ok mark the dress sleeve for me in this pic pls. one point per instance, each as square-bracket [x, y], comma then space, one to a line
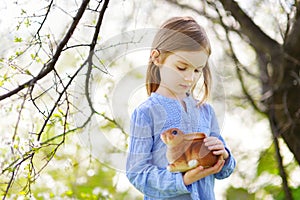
[230, 162]
[151, 180]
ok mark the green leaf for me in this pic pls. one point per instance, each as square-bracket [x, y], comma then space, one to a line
[5, 77]
[18, 39]
[13, 67]
[272, 189]
[28, 72]
[295, 194]
[239, 193]
[27, 22]
[69, 193]
[18, 53]
[22, 193]
[23, 11]
[32, 56]
[267, 162]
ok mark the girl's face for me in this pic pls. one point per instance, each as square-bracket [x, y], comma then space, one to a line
[180, 71]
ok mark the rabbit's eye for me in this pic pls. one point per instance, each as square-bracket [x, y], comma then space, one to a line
[174, 132]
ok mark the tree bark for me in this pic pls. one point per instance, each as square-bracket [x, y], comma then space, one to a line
[283, 82]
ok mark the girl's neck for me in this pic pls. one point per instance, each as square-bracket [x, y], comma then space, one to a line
[166, 92]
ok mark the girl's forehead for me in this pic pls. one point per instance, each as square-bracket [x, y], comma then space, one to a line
[192, 58]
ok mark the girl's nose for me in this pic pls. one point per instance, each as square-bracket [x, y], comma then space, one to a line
[190, 76]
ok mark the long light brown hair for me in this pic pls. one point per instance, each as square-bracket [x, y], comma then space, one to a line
[179, 34]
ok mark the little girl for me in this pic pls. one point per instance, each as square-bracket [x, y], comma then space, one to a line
[179, 57]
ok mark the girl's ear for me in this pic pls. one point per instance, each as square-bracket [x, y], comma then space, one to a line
[155, 57]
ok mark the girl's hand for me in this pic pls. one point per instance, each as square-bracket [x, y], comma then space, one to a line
[216, 146]
[199, 172]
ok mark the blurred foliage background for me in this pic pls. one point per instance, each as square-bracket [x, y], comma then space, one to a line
[65, 109]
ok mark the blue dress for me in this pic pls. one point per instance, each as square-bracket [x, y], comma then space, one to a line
[147, 162]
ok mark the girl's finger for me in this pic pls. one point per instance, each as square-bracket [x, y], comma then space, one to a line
[212, 141]
[216, 147]
[219, 152]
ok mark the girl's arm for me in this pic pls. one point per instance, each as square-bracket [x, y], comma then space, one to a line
[151, 180]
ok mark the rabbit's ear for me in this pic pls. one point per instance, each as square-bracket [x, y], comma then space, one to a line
[194, 136]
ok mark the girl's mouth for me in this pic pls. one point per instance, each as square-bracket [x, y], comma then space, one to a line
[185, 86]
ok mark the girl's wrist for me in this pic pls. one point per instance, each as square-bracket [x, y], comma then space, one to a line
[184, 179]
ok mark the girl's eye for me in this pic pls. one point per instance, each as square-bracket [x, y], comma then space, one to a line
[181, 68]
[197, 71]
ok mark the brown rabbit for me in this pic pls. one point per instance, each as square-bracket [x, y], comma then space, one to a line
[186, 151]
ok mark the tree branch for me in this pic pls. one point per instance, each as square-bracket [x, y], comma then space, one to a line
[238, 68]
[91, 54]
[259, 40]
[49, 66]
[292, 42]
[45, 18]
[187, 6]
